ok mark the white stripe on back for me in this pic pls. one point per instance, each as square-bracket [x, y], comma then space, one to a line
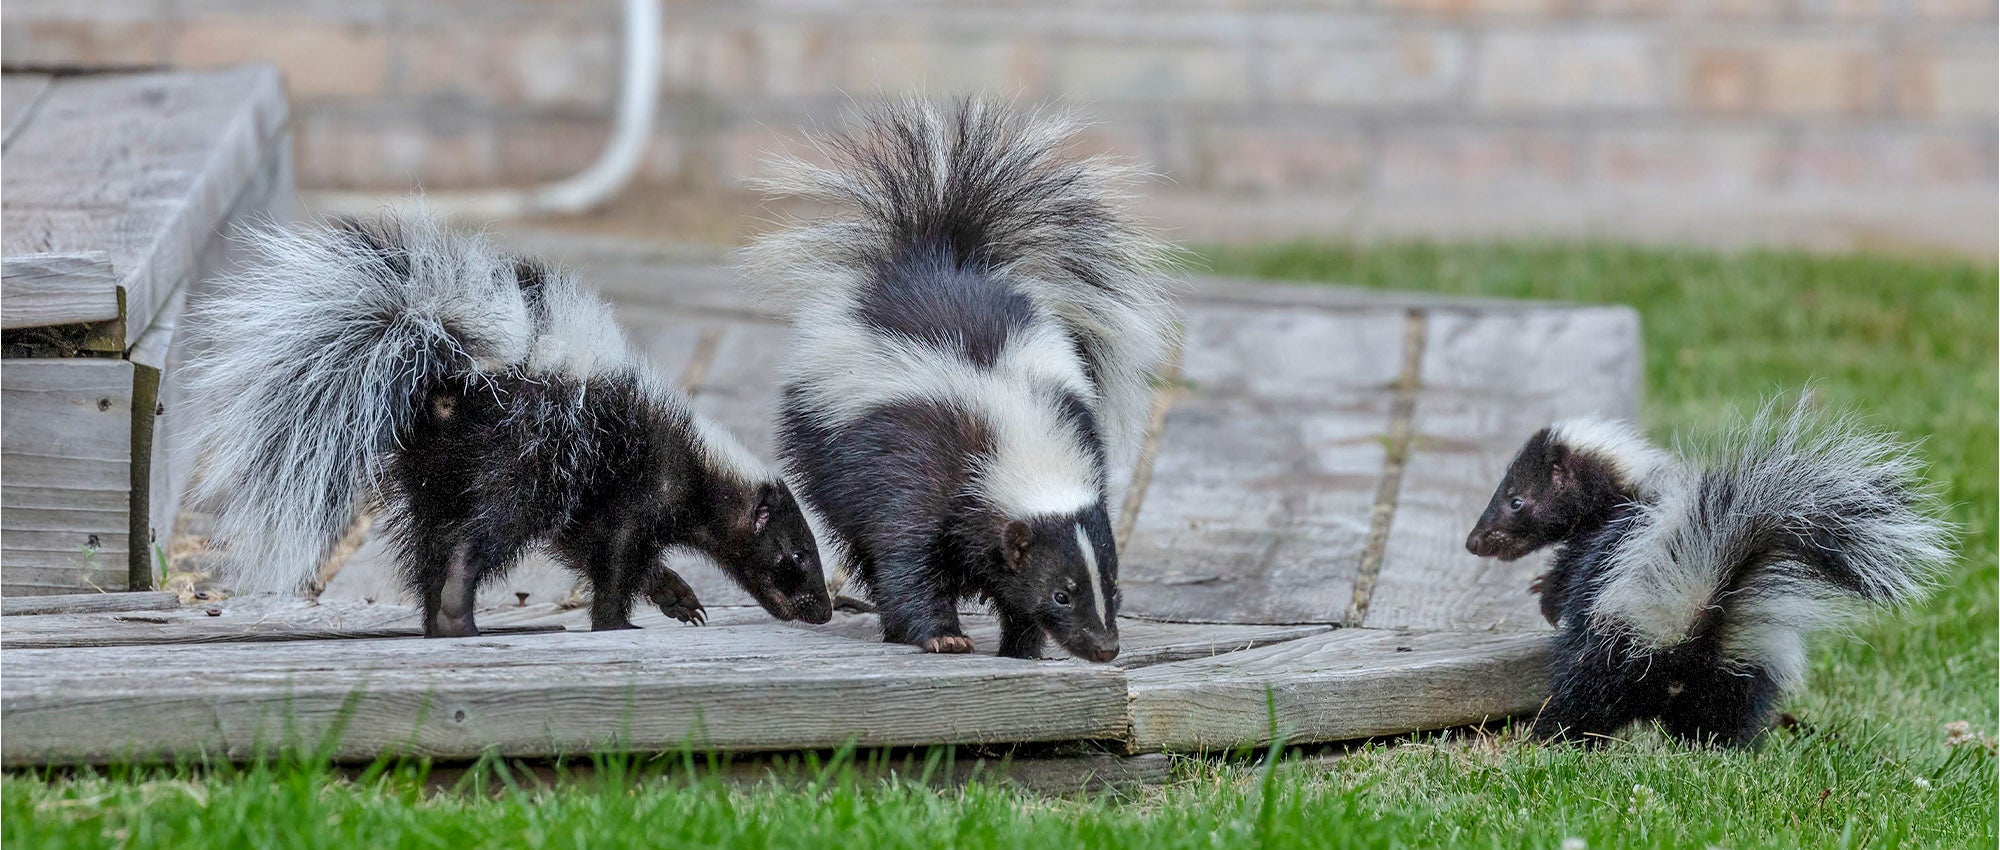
[1090, 565]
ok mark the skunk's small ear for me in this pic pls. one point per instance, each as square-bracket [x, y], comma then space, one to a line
[1014, 543]
[1559, 466]
[767, 500]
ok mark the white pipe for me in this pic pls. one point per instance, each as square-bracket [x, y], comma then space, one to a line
[638, 97]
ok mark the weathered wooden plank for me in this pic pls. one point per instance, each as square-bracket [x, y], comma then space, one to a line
[1141, 642]
[142, 166]
[85, 603]
[144, 630]
[19, 93]
[258, 617]
[639, 276]
[668, 340]
[740, 388]
[66, 447]
[1490, 380]
[1341, 685]
[1266, 471]
[40, 290]
[729, 688]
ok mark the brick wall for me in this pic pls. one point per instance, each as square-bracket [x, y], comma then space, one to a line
[1833, 122]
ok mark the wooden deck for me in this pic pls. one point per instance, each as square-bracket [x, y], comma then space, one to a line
[1292, 543]
[120, 192]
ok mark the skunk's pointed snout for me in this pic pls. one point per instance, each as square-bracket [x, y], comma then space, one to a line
[1480, 543]
[813, 608]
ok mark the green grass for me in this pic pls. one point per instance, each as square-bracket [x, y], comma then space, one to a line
[1912, 344]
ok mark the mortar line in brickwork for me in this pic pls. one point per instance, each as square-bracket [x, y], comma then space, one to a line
[1164, 394]
[1401, 412]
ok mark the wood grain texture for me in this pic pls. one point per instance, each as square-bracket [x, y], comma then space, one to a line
[1341, 685]
[66, 447]
[727, 688]
[1258, 507]
[87, 603]
[142, 166]
[39, 290]
[1491, 379]
[19, 94]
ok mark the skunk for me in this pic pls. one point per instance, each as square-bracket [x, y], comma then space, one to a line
[975, 327]
[1684, 590]
[493, 405]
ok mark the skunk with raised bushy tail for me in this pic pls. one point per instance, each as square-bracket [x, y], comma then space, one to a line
[1685, 587]
[975, 329]
[493, 404]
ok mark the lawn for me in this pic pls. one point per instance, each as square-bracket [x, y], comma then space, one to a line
[1910, 343]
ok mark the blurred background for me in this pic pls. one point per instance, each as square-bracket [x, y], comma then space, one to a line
[1823, 123]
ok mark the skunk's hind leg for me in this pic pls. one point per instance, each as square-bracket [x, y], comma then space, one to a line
[1720, 704]
[448, 584]
[1595, 689]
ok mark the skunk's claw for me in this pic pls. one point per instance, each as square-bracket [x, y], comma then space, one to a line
[676, 599]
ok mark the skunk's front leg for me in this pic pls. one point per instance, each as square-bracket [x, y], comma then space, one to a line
[913, 603]
[619, 558]
[676, 599]
[1020, 635]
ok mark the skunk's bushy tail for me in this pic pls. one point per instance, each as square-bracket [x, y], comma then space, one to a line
[990, 188]
[309, 361]
[1792, 523]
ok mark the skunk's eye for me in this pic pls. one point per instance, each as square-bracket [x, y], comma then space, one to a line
[1515, 504]
[1062, 598]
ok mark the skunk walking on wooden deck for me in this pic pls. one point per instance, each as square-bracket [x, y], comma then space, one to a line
[975, 331]
[1684, 590]
[494, 405]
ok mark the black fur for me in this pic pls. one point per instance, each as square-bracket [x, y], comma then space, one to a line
[1789, 523]
[929, 298]
[483, 483]
[1597, 684]
[897, 483]
[959, 232]
[486, 462]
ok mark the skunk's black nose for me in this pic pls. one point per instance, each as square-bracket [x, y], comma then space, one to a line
[1104, 654]
[816, 609]
[1485, 544]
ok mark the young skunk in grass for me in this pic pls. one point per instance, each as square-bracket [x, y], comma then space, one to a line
[975, 331]
[1684, 590]
[493, 404]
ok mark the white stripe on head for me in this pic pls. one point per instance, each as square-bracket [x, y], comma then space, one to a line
[1090, 566]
